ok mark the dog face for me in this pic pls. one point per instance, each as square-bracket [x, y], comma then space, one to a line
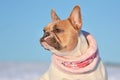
[62, 35]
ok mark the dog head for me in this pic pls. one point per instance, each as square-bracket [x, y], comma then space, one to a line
[61, 36]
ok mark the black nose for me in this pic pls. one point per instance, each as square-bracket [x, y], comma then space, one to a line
[46, 34]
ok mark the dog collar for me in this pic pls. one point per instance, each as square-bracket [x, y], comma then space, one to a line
[84, 63]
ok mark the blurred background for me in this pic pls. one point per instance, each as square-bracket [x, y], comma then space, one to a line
[22, 22]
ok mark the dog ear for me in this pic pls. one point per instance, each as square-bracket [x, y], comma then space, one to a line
[75, 18]
[54, 15]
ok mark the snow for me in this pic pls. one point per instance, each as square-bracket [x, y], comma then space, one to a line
[33, 71]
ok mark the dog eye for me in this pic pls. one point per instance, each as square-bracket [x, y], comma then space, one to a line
[57, 30]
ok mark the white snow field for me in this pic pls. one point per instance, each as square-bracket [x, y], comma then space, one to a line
[33, 71]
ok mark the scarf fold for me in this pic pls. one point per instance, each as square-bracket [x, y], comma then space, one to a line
[85, 63]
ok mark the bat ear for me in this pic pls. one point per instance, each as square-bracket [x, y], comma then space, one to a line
[54, 15]
[76, 18]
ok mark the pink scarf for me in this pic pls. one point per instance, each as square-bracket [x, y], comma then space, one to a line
[84, 63]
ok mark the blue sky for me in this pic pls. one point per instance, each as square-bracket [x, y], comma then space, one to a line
[22, 21]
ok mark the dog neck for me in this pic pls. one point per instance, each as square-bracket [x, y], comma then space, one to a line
[80, 49]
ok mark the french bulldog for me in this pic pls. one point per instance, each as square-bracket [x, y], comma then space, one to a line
[75, 54]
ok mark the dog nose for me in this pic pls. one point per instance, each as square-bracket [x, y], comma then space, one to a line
[46, 34]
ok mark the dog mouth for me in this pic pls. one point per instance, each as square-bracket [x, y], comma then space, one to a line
[52, 42]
